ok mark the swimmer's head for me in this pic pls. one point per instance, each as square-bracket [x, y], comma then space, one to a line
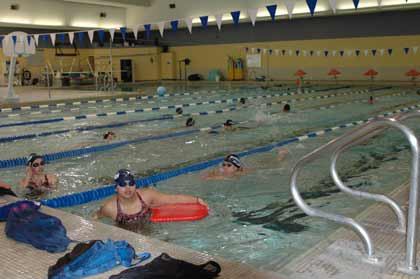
[179, 111]
[109, 135]
[190, 122]
[231, 164]
[286, 108]
[125, 183]
[242, 101]
[228, 123]
[32, 158]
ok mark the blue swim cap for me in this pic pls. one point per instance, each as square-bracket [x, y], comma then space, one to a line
[234, 160]
[124, 177]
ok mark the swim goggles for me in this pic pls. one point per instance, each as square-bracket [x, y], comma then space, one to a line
[35, 165]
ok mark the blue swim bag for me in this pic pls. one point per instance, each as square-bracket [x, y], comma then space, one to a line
[25, 223]
[95, 257]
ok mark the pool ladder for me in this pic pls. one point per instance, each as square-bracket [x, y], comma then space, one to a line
[336, 147]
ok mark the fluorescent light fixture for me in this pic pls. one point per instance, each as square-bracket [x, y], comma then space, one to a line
[15, 20]
[84, 24]
[48, 22]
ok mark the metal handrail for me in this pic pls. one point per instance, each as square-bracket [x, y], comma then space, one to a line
[365, 131]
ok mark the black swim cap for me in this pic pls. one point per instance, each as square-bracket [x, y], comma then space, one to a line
[234, 160]
[242, 100]
[32, 157]
[190, 122]
[179, 111]
[228, 123]
[123, 177]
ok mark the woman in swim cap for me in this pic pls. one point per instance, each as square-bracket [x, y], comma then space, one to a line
[231, 167]
[36, 180]
[190, 122]
[132, 205]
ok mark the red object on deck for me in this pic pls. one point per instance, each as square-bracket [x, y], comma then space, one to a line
[179, 212]
[412, 73]
[371, 73]
[334, 72]
[300, 73]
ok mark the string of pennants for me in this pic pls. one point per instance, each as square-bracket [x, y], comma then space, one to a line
[174, 24]
[339, 53]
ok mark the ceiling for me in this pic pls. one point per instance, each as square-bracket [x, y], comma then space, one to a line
[114, 3]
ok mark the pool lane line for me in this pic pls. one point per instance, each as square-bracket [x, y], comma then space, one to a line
[167, 117]
[151, 109]
[109, 190]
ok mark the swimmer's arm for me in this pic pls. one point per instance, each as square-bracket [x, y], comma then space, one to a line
[158, 198]
[4, 185]
[52, 180]
[105, 211]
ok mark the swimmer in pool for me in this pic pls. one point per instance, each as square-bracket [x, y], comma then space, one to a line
[190, 122]
[231, 167]
[131, 205]
[36, 181]
[286, 108]
[109, 136]
[6, 189]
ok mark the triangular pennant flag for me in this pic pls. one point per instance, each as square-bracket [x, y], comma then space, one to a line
[366, 52]
[81, 36]
[341, 53]
[373, 52]
[62, 37]
[29, 37]
[258, 50]
[297, 52]
[290, 52]
[204, 20]
[333, 4]
[311, 52]
[270, 51]
[14, 40]
[101, 35]
[277, 52]
[349, 52]
[174, 25]
[53, 36]
[379, 2]
[264, 51]
[389, 51]
[356, 3]
[311, 6]
[90, 35]
[290, 5]
[357, 52]
[253, 49]
[111, 34]
[123, 32]
[219, 21]
[272, 10]
[326, 52]
[382, 51]
[406, 49]
[318, 53]
[161, 26]
[235, 17]
[188, 22]
[304, 52]
[252, 13]
[283, 52]
[415, 48]
[36, 36]
[136, 31]
[246, 49]
[71, 37]
[147, 29]
[334, 52]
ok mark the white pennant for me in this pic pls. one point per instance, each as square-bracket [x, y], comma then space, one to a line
[136, 31]
[252, 13]
[188, 21]
[71, 37]
[334, 52]
[36, 38]
[366, 51]
[52, 36]
[349, 52]
[415, 48]
[382, 51]
[290, 52]
[290, 5]
[90, 35]
[318, 53]
[304, 52]
[161, 26]
[219, 21]
[277, 52]
[265, 51]
[333, 4]
[32, 47]
[111, 33]
[253, 50]
[379, 2]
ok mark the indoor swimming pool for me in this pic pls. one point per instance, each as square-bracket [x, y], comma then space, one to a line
[253, 218]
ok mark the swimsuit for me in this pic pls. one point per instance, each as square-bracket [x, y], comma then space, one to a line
[123, 218]
[33, 185]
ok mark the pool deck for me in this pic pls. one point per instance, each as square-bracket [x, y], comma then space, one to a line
[341, 255]
[22, 261]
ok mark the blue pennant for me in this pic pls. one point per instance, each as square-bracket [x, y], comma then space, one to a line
[272, 10]
[341, 52]
[326, 53]
[406, 49]
[311, 5]
[270, 51]
[147, 28]
[235, 17]
[204, 20]
[61, 38]
[357, 52]
[389, 51]
[1, 38]
[258, 50]
[373, 52]
[29, 39]
[311, 52]
[101, 35]
[174, 25]
[283, 52]
[356, 3]
[81, 36]
[14, 39]
[246, 49]
[123, 32]
[297, 52]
